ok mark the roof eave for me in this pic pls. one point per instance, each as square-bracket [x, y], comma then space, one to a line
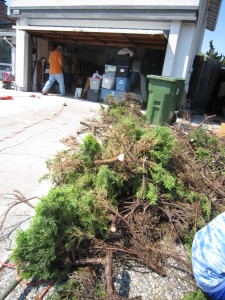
[213, 14]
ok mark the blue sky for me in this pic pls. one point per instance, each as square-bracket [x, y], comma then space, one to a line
[218, 36]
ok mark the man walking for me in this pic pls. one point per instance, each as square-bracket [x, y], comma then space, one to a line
[55, 71]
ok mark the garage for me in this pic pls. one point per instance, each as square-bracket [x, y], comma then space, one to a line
[99, 52]
[165, 36]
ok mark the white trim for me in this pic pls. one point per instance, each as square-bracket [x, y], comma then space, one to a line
[7, 33]
[89, 29]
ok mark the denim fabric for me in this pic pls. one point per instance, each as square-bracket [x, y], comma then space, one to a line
[52, 78]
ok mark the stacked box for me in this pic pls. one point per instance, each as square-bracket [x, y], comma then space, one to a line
[122, 84]
[113, 93]
[108, 82]
[95, 83]
[93, 95]
[123, 60]
[123, 71]
[110, 70]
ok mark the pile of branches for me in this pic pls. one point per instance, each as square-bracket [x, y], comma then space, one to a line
[124, 192]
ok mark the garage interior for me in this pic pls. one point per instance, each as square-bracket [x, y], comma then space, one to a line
[85, 53]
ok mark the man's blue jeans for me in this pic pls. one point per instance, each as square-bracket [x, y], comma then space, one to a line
[52, 78]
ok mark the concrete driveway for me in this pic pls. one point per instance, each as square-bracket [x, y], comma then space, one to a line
[31, 129]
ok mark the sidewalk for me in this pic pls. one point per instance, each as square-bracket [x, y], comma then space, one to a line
[31, 130]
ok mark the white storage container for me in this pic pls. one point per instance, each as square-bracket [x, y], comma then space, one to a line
[95, 83]
[108, 82]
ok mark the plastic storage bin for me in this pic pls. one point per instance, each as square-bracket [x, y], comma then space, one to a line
[113, 93]
[95, 83]
[110, 70]
[122, 84]
[123, 60]
[162, 100]
[108, 82]
[123, 71]
[93, 95]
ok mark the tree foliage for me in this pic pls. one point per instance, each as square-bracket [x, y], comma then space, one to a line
[168, 185]
[211, 53]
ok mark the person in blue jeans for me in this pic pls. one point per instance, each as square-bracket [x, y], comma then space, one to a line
[55, 71]
[208, 258]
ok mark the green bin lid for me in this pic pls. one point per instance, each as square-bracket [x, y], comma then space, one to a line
[166, 78]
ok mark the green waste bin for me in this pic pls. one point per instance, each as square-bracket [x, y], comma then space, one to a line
[165, 97]
[179, 92]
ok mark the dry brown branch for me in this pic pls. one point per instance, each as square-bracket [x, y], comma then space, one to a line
[90, 126]
[206, 119]
[20, 200]
[107, 161]
[109, 286]
[88, 261]
[214, 186]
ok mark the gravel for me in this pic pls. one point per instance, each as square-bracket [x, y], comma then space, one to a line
[135, 280]
[130, 280]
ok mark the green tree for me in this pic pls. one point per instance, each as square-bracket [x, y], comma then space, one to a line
[212, 53]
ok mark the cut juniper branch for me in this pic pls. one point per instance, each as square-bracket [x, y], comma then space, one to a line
[109, 286]
[90, 126]
[89, 261]
[110, 160]
[118, 215]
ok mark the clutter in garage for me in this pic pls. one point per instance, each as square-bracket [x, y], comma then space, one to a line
[93, 72]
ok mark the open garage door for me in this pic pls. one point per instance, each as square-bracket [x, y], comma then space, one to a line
[151, 39]
[87, 50]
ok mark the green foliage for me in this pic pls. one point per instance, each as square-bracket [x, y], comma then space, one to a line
[100, 291]
[198, 295]
[161, 176]
[72, 215]
[188, 240]
[162, 144]
[202, 139]
[206, 207]
[130, 126]
[108, 181]
[65, 217]
[192, 197]
[151, 193]
[211, 53]
[207, 146]
[89, 149]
